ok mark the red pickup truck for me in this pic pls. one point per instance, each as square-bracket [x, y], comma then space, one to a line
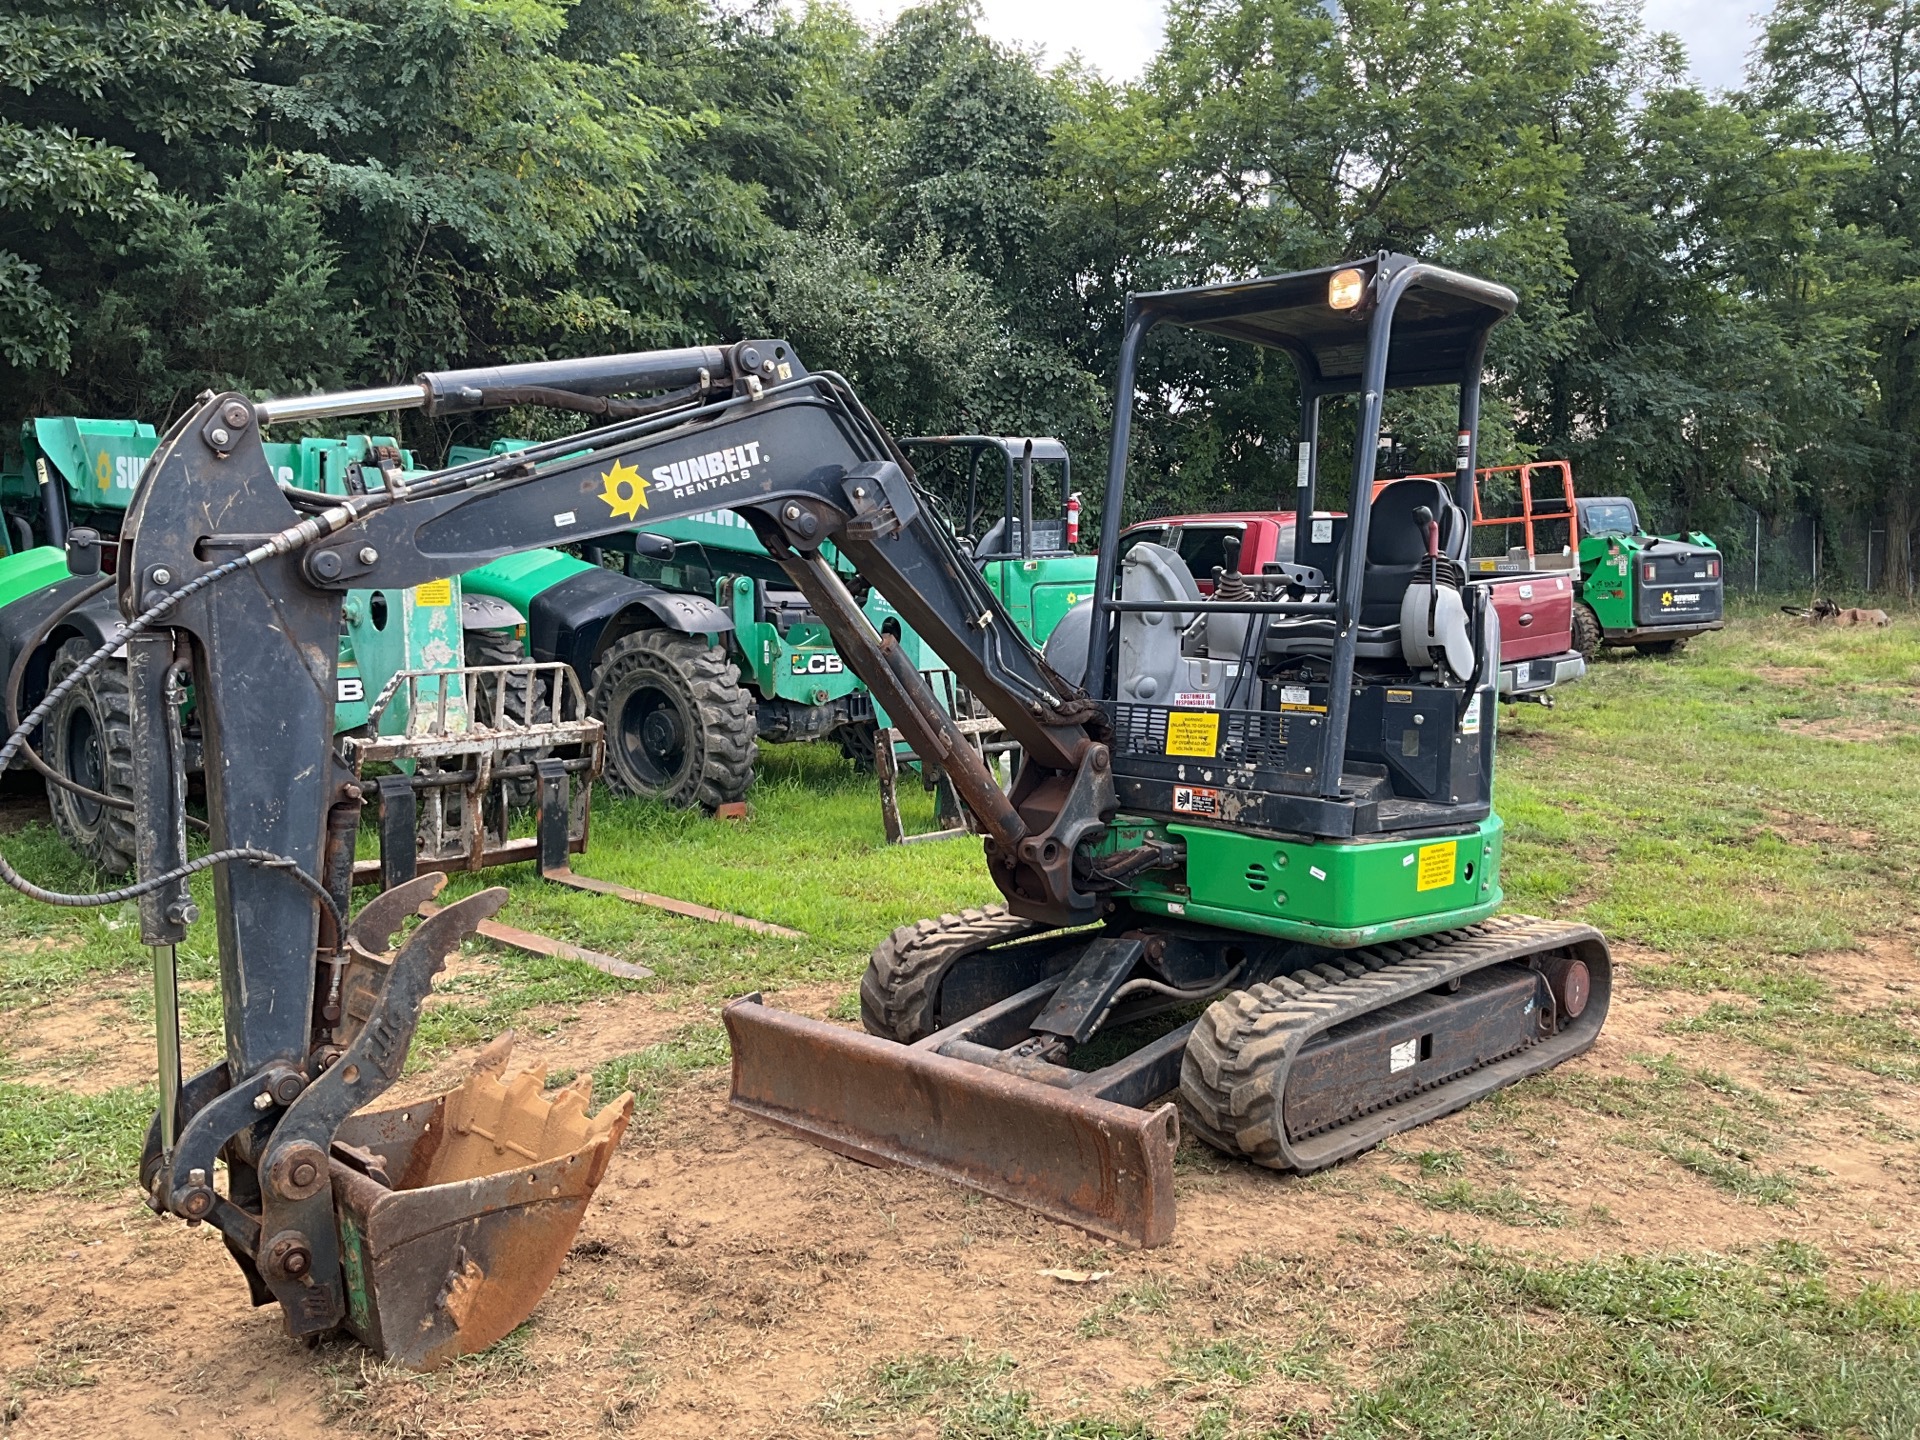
[1536, 611]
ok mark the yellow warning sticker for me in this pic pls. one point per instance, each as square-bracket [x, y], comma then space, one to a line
[1193, 733]
[1436, 866]
[435, 594]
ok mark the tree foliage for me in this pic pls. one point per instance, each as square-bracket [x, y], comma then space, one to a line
[1720, 293]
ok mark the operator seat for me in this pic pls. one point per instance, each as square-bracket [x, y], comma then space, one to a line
[1396, 552]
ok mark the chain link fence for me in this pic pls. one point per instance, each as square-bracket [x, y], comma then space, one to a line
[1806, 555]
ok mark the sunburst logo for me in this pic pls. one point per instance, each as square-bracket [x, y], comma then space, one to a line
[625, 492]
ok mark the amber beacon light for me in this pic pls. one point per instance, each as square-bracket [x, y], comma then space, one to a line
[1345, 289]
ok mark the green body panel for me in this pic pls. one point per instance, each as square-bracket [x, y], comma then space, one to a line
[1334, 893]
[97, 464]
[320, 462]
[1606, 581]
[1039, 592]
[801, 665]
[31, 571]
[517, 579]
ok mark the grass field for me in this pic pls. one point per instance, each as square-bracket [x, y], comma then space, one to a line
[1703, 1229]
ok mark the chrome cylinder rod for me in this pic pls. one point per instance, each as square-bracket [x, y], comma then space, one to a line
[410, 396]
[166, 1018]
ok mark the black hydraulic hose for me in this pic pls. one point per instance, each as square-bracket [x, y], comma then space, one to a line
[18, 674]
[279, 544]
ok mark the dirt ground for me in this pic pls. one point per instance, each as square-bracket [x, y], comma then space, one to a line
[732, 1281]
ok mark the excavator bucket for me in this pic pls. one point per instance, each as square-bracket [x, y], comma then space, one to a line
[1105, 1167]
[456, 1211]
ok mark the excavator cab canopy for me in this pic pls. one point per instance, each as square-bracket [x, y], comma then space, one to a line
[1436, 320]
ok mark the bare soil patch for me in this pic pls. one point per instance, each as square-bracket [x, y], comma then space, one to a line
[1848, 727]
[89, 1041]
[1790, 674]
[732, 1281]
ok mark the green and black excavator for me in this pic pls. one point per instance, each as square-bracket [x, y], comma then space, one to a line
[1250, 857]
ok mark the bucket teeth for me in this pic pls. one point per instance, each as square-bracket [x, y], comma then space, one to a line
[493, 1179]
[497, 1123]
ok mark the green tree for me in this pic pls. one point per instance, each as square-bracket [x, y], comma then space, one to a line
[1845, 77]
[145, 252]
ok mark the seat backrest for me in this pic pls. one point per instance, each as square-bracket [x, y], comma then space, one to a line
[1396, 545]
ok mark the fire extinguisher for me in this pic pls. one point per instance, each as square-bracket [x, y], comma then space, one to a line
[1073, 519]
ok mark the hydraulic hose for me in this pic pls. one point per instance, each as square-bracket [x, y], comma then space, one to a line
[18, 673]
[308, 530]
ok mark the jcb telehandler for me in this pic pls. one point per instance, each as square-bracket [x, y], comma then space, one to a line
[1263, 815]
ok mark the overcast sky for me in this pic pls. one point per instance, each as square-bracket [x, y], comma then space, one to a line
[1120, 36]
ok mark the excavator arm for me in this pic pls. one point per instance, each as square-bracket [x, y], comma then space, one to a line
[248, 576]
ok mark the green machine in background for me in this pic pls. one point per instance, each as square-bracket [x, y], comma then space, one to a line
[1653, 592]
[63, 471]
[1031, 563]
[69, 474]
[780, 677]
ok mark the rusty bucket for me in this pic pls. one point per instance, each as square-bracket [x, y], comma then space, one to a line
[456, 1211]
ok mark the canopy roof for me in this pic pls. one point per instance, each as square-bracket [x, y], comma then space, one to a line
[1438, 324]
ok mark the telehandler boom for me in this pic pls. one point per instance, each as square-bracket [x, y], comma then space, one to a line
[1275, 800]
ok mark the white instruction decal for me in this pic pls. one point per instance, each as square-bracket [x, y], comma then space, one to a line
[1403, 1056]
[1203, 699]
[1316, 872]
[1470, 721]
[563, 519]
[1323, 532]
[1306, 465]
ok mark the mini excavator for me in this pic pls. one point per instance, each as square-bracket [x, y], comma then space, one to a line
[1249, 857]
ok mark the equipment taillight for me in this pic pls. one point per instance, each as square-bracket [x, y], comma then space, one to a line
[1713, 569]
[1650, 570]
[1073, 519]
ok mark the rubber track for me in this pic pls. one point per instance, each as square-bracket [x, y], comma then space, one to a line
[1233, 1075]
[898, 991]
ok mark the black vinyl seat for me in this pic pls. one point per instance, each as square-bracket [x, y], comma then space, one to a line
[1396, 549]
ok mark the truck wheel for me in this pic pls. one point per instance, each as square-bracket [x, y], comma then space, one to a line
[679, 727]
[525, 697]
[89, 739]
[1662, 647]
[1587, 634]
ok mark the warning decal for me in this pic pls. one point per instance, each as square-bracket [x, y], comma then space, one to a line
[1196, 800]
[1193, 734]
[434, 594]
[1436, 865]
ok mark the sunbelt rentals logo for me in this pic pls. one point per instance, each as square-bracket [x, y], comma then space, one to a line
[624, 489]
[710, 471]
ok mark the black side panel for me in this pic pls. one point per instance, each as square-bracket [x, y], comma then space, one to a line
[567, 621]
[1672, 586]
[95, 620]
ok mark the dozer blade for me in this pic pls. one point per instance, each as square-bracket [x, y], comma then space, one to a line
[455, 1212]
[1105, 1167]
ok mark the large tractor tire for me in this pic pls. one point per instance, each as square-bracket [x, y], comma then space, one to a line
[1587, 634]
[89, 739]
[679, 726]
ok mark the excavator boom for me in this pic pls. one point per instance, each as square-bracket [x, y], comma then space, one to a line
[234, 582]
